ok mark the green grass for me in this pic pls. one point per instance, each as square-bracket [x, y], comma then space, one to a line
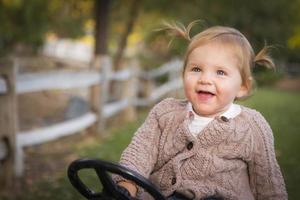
[280, 108]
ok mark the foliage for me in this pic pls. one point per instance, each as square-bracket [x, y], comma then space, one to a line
[267, 77]
[25, 23]
[262, 21]
[264, 78]
[68, 17]
[294, 40]
[18, 20]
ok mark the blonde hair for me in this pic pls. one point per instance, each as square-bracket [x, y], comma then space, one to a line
[226, 36]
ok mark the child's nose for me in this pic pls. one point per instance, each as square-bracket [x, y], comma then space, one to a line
[205, 78]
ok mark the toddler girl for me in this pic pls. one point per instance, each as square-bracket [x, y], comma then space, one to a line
[207, 147]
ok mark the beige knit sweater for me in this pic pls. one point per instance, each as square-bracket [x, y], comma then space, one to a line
[232, 158]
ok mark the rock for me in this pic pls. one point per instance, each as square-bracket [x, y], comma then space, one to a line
[76, 107]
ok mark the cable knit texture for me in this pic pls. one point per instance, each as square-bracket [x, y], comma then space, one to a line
[232, 158]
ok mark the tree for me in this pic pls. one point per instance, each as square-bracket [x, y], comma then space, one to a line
[24, 23]
[18, 20]
[133, 14]
[271, 21]
[101, 26]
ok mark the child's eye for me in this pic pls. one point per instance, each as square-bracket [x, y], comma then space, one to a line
[196, 69]
[221, 72]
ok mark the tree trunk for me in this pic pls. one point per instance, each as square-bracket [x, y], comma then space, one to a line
[133, 14]
[102, 10]
[101, 27]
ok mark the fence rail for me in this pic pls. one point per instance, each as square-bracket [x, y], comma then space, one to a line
[56, 80]
[35, 82]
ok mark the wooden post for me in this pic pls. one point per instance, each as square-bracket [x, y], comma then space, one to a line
[8, 124]
[99, 93]
[130, 92]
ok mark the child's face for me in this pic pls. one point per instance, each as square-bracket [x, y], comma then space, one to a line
[212, 79]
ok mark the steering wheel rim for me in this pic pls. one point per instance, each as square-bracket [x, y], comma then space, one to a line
[109, 186]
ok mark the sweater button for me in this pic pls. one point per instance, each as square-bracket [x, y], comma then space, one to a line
[173, 181]
[190, 145]
[224, 119]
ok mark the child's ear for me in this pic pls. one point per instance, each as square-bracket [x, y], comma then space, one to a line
[242, 92]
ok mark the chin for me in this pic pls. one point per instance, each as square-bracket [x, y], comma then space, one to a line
[204, 113]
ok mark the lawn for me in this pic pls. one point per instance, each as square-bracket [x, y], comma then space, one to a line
[280, 108]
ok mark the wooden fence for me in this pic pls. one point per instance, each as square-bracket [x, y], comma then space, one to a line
[13, 140]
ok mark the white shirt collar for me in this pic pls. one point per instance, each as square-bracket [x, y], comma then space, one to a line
[197, 123]
[231, 112]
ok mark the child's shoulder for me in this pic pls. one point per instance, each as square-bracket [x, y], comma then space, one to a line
[169, 105]
[256, 117]
[252, 113]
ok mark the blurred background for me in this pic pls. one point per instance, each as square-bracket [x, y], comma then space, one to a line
[73, 39]
[29, 27]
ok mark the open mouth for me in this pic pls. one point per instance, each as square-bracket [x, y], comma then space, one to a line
[205, 95]
[205, 92]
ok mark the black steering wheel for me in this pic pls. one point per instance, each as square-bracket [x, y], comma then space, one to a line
[110, 189]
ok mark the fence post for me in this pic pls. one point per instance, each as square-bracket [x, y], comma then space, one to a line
[130, 91]
[8, 124]
[99, 93]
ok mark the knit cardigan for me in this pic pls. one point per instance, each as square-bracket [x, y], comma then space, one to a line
[231, 158]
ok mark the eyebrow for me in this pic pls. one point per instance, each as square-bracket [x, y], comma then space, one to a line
[192, 63]
[217, 66]
[222, 66]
